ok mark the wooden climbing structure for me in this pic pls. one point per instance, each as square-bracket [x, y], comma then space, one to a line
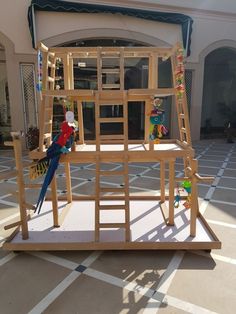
[144, 221]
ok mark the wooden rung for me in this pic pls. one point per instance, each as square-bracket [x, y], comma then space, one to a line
[51, 54]
[110, 207]
[8, 143]
[46, 135]
[111, 173]
[165, 212]
[8, 174]
[51, 65]
[15, 224]
[112, 225]
[50, 79]
[111, 120]
[33, 186]
[48, 122]
[110, 54]
[112, 190]
[183, 130]
[182, 115]
[108, 102]
[108, 86]
[111, 71]
[112, 137]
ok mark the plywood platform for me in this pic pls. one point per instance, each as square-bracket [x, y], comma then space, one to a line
[147, 225]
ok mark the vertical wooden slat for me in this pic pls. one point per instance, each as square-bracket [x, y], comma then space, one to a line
[97, 198]
[42, 117]
[66, 71]
[152, 73]
[127, 209]
[71, 72]
[97, 124]
[68, 182]
[44, 70]
[122, 70]
[54, 202]
[162, 179]
[171, 190]
[99, 68]
[21, 188]
[125, 124]
[194, 211]
[80, 121]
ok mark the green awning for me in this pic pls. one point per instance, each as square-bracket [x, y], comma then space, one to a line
[66, 6]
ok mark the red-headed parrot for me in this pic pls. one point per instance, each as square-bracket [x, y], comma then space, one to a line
[60, 145]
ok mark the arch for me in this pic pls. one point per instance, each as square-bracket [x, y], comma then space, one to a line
[196, 109]
[91, 33]
[7, 44]
[213, 46]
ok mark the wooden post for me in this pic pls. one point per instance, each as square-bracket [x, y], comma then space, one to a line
[162, 180]
[21, 186]
[66, 71]
[71, 72]
[54, 202]
[68, 182]
[99, 68]
[122, 70]
[171, 191]
[194, 199]
[97, 199]
[80, 121]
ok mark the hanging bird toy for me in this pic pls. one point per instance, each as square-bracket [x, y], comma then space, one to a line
[187, 187]
[157, 117]
[39, 71]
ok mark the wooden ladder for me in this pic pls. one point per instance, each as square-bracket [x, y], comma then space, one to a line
[46, 108]
[124, 189]
[181, 104]
[21, 195]
[107, 71]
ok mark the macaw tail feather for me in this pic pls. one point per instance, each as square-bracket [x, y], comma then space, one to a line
[48, 179]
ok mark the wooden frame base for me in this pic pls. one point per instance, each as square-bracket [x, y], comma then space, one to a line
[143, 235]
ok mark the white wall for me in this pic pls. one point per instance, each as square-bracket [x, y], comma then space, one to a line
[208, 30]
[53, 24]
[14, 24]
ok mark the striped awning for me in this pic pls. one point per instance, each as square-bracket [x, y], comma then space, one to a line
[66, 6]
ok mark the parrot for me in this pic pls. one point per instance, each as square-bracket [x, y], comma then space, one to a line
[60, 145]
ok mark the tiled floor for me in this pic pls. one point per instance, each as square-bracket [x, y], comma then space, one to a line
[110, 282]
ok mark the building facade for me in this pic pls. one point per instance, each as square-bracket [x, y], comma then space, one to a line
[207, 29]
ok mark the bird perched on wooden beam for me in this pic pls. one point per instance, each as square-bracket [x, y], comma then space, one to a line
[60, 145]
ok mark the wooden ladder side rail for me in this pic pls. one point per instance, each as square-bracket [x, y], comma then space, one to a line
[99, 68]
[125, 123]
[181, 106]
[80, 121]
[127, 200]
[97, 199]
[20, 183]
[148, 109]
[122, 69]
[171, 191]
[153, 71]
[162, 180]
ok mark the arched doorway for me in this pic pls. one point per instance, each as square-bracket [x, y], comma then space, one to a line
[219, 92]
[136, 76]
[5, 116]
